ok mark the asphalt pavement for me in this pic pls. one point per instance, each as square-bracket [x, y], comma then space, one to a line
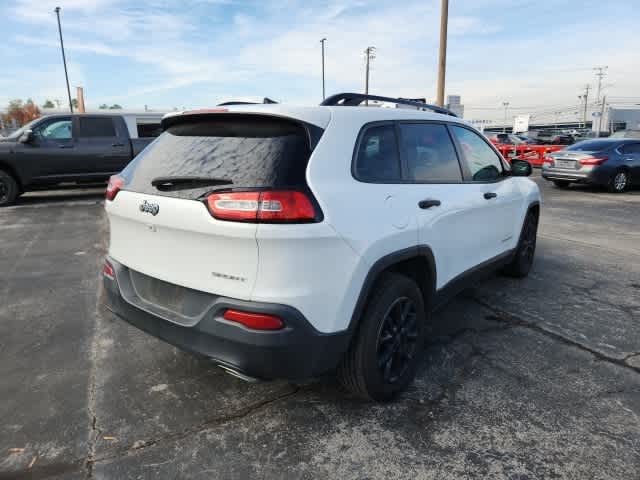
[523, 379]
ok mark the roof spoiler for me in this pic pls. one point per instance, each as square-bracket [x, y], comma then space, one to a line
[265, 100]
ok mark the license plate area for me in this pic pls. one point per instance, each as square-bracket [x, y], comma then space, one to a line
[568, 164]
[178, 304]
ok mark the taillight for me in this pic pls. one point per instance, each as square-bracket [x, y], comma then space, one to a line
[548, 161]
[108, 271]
[114, 186]
[593, 160]
[255, 321]
[271, 206]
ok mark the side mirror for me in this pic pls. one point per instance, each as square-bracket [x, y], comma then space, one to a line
[26, 136]
[520, 168]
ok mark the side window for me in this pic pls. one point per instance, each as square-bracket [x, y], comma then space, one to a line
[631, 148]
[59, 129]
[483, 163]
[429, 153]
[377, 158]
[96, 127]
[149, 130]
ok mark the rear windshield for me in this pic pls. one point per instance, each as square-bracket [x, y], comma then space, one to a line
[590, 146]
[249, 150]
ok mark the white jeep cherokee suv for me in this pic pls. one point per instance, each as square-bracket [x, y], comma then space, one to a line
[284, 242]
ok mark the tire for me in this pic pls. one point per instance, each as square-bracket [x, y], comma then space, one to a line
[388, 346]
[619, 181]
[562, 183]
[9, 189]
[522, 261]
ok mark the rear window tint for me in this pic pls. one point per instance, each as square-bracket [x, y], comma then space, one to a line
[96, 127]
[250, 150]
[377, 159]
[590, 146]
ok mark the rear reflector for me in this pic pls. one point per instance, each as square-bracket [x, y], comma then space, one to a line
[594, 161]
[107, 271]
[255, 321]
[114, 186]
[272, 206]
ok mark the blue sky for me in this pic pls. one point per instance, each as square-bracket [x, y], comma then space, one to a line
[195, 53]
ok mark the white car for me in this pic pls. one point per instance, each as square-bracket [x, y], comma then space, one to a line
[285, 242]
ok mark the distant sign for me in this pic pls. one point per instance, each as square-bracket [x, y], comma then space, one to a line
[521, 123]
[596, 114]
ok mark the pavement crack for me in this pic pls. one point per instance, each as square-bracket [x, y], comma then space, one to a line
[450, 338]
[509, 318]
[201, 427]
[94, 431]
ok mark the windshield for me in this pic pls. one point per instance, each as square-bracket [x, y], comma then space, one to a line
[590, 146]
[15, 135]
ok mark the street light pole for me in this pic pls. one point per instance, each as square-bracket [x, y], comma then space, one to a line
[64, 59]
[369, 52]
[442, 57]
[505, 105]
[322, 42]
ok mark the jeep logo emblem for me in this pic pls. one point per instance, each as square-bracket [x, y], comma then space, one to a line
[152, 208]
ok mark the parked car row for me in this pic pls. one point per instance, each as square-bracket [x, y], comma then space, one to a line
[544, 139]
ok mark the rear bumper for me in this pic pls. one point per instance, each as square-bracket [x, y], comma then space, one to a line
[595, 176]
[294, 353]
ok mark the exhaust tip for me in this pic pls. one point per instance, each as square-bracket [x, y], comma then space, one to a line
[240, 375]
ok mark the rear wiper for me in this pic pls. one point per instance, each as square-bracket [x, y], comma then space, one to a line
[183, 183]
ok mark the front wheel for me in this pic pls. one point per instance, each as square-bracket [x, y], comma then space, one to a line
[525, 251]
[619, 181]
[383, 358]
[9, 190]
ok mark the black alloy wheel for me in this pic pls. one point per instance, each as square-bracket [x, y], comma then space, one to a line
[397, 340]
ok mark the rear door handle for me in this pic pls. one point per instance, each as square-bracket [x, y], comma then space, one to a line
[424, 204]
[490, 195]
[628, 159]
[117, 144]
[65, 146]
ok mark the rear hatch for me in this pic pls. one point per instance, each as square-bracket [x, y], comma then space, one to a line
[161, 223]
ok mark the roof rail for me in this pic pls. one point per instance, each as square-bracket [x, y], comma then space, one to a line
[355, 99]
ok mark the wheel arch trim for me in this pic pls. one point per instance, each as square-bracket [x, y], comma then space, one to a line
[382, 265]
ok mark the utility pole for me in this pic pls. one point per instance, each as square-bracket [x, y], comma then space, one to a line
[600, 74]
[604, 99]
[370, 54]
[578, 113]
[505, 105]
[586, 100]
[64, 59]
[322, 42]
[442, 56]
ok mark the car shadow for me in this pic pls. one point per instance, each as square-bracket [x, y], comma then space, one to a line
[596, 189]
[61, 195]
